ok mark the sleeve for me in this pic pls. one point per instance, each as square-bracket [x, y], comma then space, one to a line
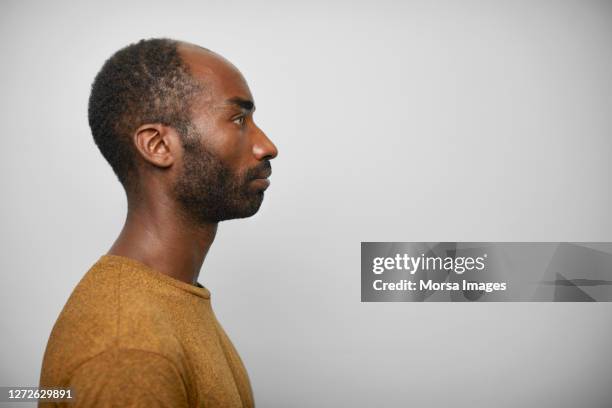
[128, 378]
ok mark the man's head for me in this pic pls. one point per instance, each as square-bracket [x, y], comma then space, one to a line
[176, 119]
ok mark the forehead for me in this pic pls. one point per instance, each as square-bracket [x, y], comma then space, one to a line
[222, 80]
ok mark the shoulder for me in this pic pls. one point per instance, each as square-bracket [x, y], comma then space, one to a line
[129, 377]
[108, 310]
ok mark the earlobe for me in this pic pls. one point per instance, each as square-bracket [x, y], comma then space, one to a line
[154, 144]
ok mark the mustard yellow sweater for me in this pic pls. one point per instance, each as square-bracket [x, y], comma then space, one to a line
[130, 336]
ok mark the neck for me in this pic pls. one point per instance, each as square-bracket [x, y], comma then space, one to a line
[156, 235]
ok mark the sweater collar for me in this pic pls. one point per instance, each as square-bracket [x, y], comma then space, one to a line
[196, 289]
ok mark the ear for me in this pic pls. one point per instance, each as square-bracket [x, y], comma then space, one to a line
[157, 144]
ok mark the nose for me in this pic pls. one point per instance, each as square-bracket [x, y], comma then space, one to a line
[263, 148]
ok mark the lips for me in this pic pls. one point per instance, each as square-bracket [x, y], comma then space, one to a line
[261, 183]
[261, 180]
[264, 175]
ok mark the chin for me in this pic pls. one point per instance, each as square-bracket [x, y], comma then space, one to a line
[250, 208]
[254, 208]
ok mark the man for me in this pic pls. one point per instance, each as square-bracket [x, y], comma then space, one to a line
[175, 122]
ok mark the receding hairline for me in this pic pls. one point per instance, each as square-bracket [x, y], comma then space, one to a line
[187, 51]
[186, 44]
[200, 60]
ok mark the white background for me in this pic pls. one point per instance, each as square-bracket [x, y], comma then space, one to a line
[395, 121]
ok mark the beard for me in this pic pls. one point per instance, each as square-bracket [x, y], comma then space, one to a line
[209, 192]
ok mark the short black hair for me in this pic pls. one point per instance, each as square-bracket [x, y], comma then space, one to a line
[144, 82]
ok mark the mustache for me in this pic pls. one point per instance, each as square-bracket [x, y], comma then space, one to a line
[262, 170]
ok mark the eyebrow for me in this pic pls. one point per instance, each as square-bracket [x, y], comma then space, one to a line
[244, 104]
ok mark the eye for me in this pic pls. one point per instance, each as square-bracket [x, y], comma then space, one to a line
[239, 120]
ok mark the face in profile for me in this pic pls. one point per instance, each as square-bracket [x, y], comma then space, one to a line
[226, 157]
[210, 191]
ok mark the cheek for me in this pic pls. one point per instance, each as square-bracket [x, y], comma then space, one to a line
[231, 146]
